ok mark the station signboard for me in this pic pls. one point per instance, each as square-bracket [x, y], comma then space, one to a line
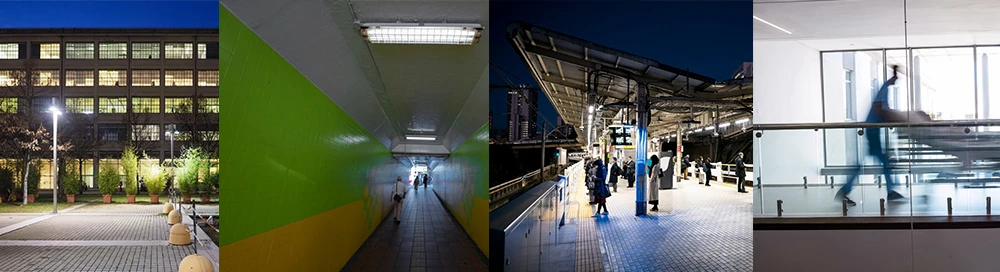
[621, 135]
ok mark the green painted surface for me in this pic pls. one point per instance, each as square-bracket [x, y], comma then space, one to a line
[290, 151]
[463, 178]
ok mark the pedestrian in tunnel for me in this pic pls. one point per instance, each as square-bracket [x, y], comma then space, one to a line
[654, 183]
[879, 110]
[630, 172]
[741, 174]
[708, 171]
[427, 179]
[398, 193]
[615, 172]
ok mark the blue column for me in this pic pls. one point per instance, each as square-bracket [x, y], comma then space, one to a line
[640, 150]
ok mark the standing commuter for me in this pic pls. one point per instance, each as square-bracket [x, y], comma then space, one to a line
[741, 174]
[708, 171]
[654, 183]
[398, 193]
[879, 109]
[630, 172]
[615, 172]
[427, 178]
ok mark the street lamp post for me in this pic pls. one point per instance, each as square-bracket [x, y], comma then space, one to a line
[55, 161]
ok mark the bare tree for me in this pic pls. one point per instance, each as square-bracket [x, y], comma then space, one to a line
[136, 124]
[201, 122]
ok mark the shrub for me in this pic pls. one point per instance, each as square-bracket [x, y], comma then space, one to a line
[70, 180]
[191, 164]
[6, 182]
[155, 180]
[212, 183]
[108, 179]
[34, 177]
[130, 167]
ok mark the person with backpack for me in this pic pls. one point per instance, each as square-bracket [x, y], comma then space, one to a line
[654, 183]
[601, 191]
[398, 193]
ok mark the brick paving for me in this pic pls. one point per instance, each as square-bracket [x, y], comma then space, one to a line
[95, 227]
[7, 220]
[427, 239]
[92, 258]
[698, 228]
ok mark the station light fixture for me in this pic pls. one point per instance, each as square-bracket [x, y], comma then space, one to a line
[417, 33]
[421, 137]
[770, 24]
[724, 125]
[709, 128]
[741, 121]
[591, 108]
[698, 130]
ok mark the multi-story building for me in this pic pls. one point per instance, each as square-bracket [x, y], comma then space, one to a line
[123, 85]
[522, 118]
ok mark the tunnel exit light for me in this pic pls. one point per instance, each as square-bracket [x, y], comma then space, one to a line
[420, 138]
[409, 33]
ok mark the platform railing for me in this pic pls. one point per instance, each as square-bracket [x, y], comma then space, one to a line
[940, 168]
[500, 193]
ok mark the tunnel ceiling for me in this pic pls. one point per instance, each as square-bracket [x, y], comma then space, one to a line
[391, 90]
[878, 23]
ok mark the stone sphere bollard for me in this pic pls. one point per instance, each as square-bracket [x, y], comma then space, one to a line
[173, 217]
[179, 235]
[196, 263]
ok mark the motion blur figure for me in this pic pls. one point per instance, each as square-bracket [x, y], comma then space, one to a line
[880, 109]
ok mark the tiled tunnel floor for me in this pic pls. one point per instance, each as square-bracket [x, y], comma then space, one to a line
[427, 239]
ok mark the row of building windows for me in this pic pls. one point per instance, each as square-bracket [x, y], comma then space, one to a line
[85, 78]
[86, 105]
[117, 132]
[112, 50]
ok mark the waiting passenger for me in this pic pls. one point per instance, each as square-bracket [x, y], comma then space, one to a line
[878, 113]
[398, 193]
[708, 171]
[654, 183]
[741, 174]
[630, 172]
[615, 172]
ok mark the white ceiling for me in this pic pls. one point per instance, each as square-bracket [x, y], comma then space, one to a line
[391, 90]
[858, 24]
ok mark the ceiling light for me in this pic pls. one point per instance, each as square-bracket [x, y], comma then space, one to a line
[408, 33]
[724, 125]
[770, 24]
[742, 121]
[421, 137]
[709, 128]
[698, 130]
[591, 108]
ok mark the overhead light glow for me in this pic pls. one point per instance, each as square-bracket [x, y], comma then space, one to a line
[770, 24]
[55, 110]
[709, 128]
[742, 121]
[591, 108]
[408, 33]
[421, 137]
[698, 130]
[724, 125]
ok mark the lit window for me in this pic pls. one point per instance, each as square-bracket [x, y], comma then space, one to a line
[114, 51]
[113, 105]
[8, 51]
[8, 78]
[177, 105]
[182, 136]
[80, 50]
[210, 135]
[208, 50]
[80, 105]
[145, 50]
[146, 132]
[146, 104]
[46, 78]
[178, 78]
[208, 78]
[80, 78]
[49, 50]
[178, 50]
[8, 104]
[208, 105]
[113, 77]
[145, 77]
[112, 132]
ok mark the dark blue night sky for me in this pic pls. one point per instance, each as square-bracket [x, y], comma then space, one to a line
[712, 38]
[110, 14]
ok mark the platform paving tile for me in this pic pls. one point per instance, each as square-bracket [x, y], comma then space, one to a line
[92, 258]
[7, 220]
[427, 239]
[698, 228]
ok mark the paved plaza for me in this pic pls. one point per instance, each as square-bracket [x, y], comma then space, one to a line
[95, 237]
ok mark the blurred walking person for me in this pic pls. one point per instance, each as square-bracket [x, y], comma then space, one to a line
[398, 193]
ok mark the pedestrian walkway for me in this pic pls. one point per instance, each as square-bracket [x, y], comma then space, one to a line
[92, 237]
[427, 239]
[697, 228]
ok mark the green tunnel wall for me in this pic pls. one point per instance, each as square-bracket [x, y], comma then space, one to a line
[305, 183]
[462, 182]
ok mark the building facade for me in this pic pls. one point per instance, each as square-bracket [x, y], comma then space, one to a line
[522, 118]
[117, 86]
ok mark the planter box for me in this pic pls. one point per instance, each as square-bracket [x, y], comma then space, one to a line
[186, 198]
[107, 199]
[155, 199]
[131, 198]
[71, 198]
[31, 198]
[206, 199]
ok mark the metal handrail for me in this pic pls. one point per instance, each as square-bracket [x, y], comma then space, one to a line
[952, 123]
[499, 193]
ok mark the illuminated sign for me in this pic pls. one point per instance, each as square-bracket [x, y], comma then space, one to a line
[621, 135]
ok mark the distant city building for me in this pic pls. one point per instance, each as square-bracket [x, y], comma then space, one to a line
[745, 71]
[522, 118]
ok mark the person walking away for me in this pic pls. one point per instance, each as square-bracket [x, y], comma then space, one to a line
[699, 166]
[427, 178]
[615, 172]
[600, 186]
[630, 172]
[654, 183]
[741, 174]
[708, 171]
[685, 165]
[398, 193]
[879, 110]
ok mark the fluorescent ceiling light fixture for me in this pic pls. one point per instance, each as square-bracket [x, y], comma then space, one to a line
[591, 108]
[709, 128]
[421, 137]
[742, 121]
[770, 24]
[410, 33]
[724, 125]
[698, 130]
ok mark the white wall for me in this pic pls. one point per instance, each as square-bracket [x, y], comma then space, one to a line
[787, 90]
